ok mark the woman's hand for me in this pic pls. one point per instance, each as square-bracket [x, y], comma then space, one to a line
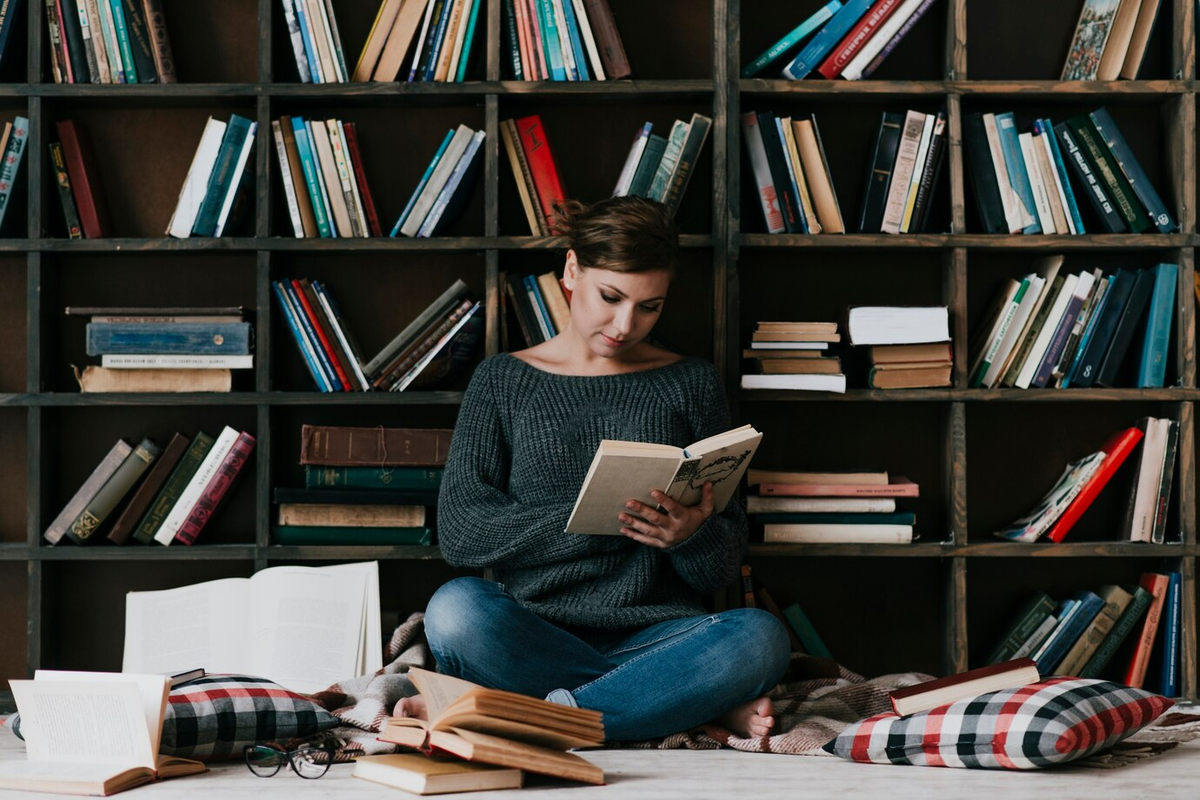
[662, 530]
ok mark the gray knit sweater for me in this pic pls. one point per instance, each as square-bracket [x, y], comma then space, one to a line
[522, 445]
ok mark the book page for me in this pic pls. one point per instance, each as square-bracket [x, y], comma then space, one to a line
[611, 482]
[152, 688]
[372, 636]
[722, 461]
[94, 722]
[176, 629]
[52, 775]
[438, 690]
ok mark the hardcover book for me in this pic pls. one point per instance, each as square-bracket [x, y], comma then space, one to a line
[420, 774]
[965, 685]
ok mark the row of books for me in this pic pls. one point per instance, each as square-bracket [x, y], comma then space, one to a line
[659, 168]
[1148, 505]
[444, 188]
[181, 487]
[1081, 636]
[12, 156]
[794, 355]
[791, 173]
[1030, 182]
[1048, 330]
[216, 192]
[1110, 40]
[539, 303]
[902, 178]
[443, 43]
[562, 40]
[108, 41]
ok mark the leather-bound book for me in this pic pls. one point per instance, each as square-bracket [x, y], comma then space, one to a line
[160, 470]
[608, 39]
[85, 179]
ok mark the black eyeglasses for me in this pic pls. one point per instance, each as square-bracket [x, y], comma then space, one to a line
[309, 761]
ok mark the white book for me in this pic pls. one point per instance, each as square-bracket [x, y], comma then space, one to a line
[285, 175]
[108, 26]
[195, 185]
[879, 39]
[321, 39]
[898, 324]
[902, 170]
[196, 486]
[564, 41]
[1047, 270]
[819, 383]
[759, 165]
[238, 170]
[1043, 141]
[1034, 359]
[632, 160]
[293, 26]
[345, 172]
[1041, 200]
[335, 637]
[789, 345]
[332, 183]
[914, 182]
[1023, 314]
[1145, 490]
[429, 195]
[364, 384]
[460, 36]
[137, 361]
[589, 41]
[804, 533]
[453, 185]
[1014, 211]
[1037, 637]
[757, 504]
[335, 40]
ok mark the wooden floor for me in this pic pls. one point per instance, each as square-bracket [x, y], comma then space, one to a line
[687, 775]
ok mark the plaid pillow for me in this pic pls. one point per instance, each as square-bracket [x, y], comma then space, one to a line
[212, 718]
[1051, 722]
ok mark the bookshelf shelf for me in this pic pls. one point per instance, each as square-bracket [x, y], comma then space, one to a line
[409, 553]
[833, 91]
[362, 398]
[104, 552]
[999, 549]
[1090, 395]
[977, 241]
[1089, 91]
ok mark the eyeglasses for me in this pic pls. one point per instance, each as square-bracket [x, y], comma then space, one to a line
[309, 761]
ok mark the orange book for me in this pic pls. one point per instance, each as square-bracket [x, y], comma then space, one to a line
[1156, 585]
[542, 167]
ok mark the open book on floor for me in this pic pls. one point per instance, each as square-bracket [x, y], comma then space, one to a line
[621, 471]
[92, 733]
[501, 728]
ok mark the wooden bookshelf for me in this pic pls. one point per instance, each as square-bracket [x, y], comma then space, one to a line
[981, 456]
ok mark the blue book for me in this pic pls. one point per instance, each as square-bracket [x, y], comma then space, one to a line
[168, 338]
[821, 44]
[310, 48]
[412, 201]
[581, 69]
[819, 18]
[1014, 164]
[123, 42]
[310, 332]
[439, 41]
[1089, 605]
[1047, 127]
[10, 162]
[289, 315]
[309, 165]
[1169, 686]
[221, 178]
[1152, 369]
[1087, 332]
[466, 48]
[539, 306]
[550, 41]
[791, 175]
[454, 193]
[1133, 172]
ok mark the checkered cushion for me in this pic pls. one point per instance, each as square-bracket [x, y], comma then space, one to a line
[212, 718]
[1051, 722]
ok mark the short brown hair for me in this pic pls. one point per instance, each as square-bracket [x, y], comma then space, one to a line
[622, 234]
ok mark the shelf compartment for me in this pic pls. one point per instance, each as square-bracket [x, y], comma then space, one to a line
[14, 476]
[137, 552]
[14, 597]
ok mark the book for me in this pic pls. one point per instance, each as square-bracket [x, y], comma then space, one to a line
[874, 533]
[1034, 612]
[63, 712]
[85, 178]
[624, 470]
[347, 446]
[178, 480]
[491, 726]
[1156, 585]
[351, 516]
[798, 621]
[963, 686]
[1125, 624]
[757, 504]
[755, 477]
[344, 536]
[420, 774]
[811, 382]
[1152, 367]
[1091, 34]
[1116, 600]
[79, 501]
[897, 324]
[1116, 450]
[1055, 502]
[139, 503]
[794, 37]
[897, 487]
[88, 521]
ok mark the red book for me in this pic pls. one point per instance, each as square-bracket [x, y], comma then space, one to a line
[326, 345]
[895, 487]
[858, 36]
[65, 66]
[964, 686]
[1117, 449]
[535, 40]
[546, 178]
[216, 490]
[360, 176]
[1156, 585]
[85, 180]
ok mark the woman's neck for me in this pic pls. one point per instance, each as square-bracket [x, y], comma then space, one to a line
[568, 354]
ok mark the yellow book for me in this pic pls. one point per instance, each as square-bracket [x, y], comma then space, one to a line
[380, 28]
[814, 225]
[434, 774]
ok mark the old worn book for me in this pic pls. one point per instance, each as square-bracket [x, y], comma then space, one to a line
[622, 471]
[92, 733]
[103, 471]
[139, 503]
[102, 379]
[352, 516]
[965, 685]
[505, 729]
[88, 521]
[869, 477]
[434, 774]
[345, 446]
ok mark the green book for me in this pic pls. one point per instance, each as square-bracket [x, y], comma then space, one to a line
[1014, 368]
[648, 166]
[112, 492]
[1040, 606]
[805, 632]
[165, 500]
[342, 535]
[839, 518]
[1095, 149]
[1125, 623]
[410, 478]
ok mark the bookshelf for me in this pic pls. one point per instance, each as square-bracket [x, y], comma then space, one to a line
[981, 456]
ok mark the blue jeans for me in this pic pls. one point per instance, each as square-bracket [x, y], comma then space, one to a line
[648, 683]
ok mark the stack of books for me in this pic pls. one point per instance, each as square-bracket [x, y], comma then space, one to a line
[85, 213]
[1081, 636]
[540, 304]
[106, 41]
[852, 506]
[364, 486]
[794, 355]
[321, 168]
[444, 188]
[539, 181]
[1048, 330]
[902, 176]
[659, 168]
[443, 42]
[1082, 480]
[181, 488]
[562, 40]
[1031, 182]
[164, 349]
[795, 187]
[852, 39]
[12, 153]
[216, 192]
[910, 345]
[1110, 40]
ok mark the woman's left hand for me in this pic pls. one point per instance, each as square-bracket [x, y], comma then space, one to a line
[674, 524]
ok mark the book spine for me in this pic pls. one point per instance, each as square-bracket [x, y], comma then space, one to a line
[429, 170]
[339, 329]
[1106, 324]
[631, 160]
[1128, 619]
[95, 22]
[81, 166]
[898, 37]
[858, 36]
[772, 54]
[231, 205]
[345, 180]
[1130, 324]
[686, 164]
[1014, 163]
[1101, 158]
[308, 535]
[308, 219]
[1120, 450]
[309, 357]
[608, 39]
[1028, 621]
[767, 197]
[879, 177]
[156, 25]
[402, 478]
[1068, 633]
[185, 338]
[1114, 600]
[670, 158]
[216, 490]
[314, 341]
[160, 470]
[220, 180]
[448, 299]
[164, 501]
[826, 39]
[930, 170]
[1169, 684]
[195, 487]
[57, 61]
[519, 312]
[139, 41]
[311, 181]
[1094, 317]
[418, 345]
[108, 27]
[334, 445]
[1095, 192]
[789, 201]
[454, 193]
[1083, 325]
[1062, 331]
[122, 28]
[285, 178]
[542, 166]
[902, 170]
[573, 33]
[1064, 179]
[98, 509]
[70, 213]
[14, 153]
[89, 44]
[360, 175]
[1129, 167]
[511, 38]
[1158, 533]
[329, 20]
[312, 308]
[79, 501]
[1153, 366]
[1156, 585]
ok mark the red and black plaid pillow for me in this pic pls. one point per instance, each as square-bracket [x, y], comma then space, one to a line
[1051, 722]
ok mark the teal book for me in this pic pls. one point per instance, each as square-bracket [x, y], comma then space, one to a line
[581, 69]
[1125, 623]
[346, 536]
[1046, 127]
[655, 146]
[777, 50]
[1152, 369]
[839, 518]
[308, 165]
[220, 181]
[410, 478]
[1014, 164]
[805, 632]
[824, 42]
[551, 42]
[412, 201]
[1169, 638]
[465, 57]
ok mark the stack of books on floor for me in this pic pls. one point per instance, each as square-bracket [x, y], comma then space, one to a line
[562, 40]
[659, 168]
[446, 185]
[364, 486]
[794, 355]
[539, 181]
[12, 152]
[910, 345]
[443, 30]
[795, 187]
[181, 488]
[164, 349]
[321, 169]
[85, 212]
[1082, 636]
[1148, 506]
[902, 177]
[1031, 182]
[107, 41]
[1110, 40]
[217, 192]
[540, 304]
[851, 40]
[857, 507]
[1046, 330]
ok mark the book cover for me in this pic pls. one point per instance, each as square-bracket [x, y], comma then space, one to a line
[1116, 449]
[84, 494]
[88, 521]
[944, 691]
[1125, 624]
[1156, 584]
[1152, 367]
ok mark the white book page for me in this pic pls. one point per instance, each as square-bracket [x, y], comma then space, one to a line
[201, 625]
[94, 722]
[372, 636]
[152, 688]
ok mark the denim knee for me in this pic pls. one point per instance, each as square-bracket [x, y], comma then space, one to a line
[762, 634]
[455, 613]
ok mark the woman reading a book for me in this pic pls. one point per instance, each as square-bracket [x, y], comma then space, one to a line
[609, 623]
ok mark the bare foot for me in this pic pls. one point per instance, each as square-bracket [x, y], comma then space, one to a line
[749, 720]
[411, 707]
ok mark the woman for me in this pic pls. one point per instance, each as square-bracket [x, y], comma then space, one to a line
[607, 623]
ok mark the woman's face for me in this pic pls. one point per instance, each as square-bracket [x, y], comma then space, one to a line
[612, 311]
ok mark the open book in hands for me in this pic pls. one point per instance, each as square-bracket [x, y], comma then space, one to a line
[506, 729]
[622, 471]
[92, 733]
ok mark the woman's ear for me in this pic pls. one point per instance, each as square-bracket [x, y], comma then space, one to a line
[571, 271]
